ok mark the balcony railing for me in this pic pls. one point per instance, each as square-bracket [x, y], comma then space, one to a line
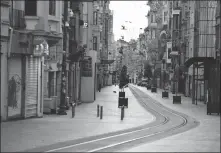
[17, 19]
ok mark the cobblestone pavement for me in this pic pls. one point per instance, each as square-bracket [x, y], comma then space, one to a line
[30, 133]
[203, 138]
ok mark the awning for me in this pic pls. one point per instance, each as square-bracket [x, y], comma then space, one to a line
[107, 61]
[192, 60]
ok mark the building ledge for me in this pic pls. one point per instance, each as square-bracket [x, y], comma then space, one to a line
[32, 17]
[53, 18]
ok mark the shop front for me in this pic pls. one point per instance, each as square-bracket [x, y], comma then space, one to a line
[34, 78]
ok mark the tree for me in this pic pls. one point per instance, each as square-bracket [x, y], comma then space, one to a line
[123, 77]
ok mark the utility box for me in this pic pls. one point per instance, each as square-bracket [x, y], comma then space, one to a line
[50, 105]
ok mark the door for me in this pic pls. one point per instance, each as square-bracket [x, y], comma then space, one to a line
[14, 87]
[31, 95]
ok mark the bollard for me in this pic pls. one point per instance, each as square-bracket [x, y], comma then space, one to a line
[73, 110]
[101, 113]
[122, 112]
[98, 110]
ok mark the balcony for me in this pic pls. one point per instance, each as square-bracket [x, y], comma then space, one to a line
[17, 19]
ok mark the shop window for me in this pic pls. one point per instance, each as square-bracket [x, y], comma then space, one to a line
[87, 68]
[95, 43]
[51, 85]
[31, 7]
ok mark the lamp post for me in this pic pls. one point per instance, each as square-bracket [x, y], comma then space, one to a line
[62, 109]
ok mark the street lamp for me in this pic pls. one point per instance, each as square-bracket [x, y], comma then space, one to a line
[62, 109]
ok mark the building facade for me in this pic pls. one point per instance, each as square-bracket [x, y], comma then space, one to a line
[32, 33]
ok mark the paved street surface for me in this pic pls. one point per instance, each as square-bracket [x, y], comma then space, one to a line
[27, 134]
[167, 123]
[203, 138]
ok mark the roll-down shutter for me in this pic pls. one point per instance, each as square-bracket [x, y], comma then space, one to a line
[32, 86]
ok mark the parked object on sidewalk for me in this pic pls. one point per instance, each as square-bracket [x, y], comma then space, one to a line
[213, 108]
[176, 99]
[148, 86]
[73, 109]
[153, 89]
[122, 112]
[50, 105]
[98, 107]
[165, 94]
[101, 113]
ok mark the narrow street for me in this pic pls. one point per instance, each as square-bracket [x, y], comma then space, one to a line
[146, 121]
[167, 123]
[110, 76]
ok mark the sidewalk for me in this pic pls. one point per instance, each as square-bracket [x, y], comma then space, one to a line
[26, 134]
[204, 138]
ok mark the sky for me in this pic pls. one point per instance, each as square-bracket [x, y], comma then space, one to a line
[133, 11]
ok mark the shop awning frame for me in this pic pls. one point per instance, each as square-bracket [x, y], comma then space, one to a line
[192, 60]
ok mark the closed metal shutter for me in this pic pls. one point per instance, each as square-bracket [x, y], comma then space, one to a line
[31, 95]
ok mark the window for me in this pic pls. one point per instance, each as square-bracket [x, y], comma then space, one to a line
[100, 36]
[175, 21]
[51, 85]
[94, 43]
[52, 7]
[151, 20]
[217, 42]
[165, 16]
[153, 34]
[31, 7]
[87, 68]
[95, 18]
